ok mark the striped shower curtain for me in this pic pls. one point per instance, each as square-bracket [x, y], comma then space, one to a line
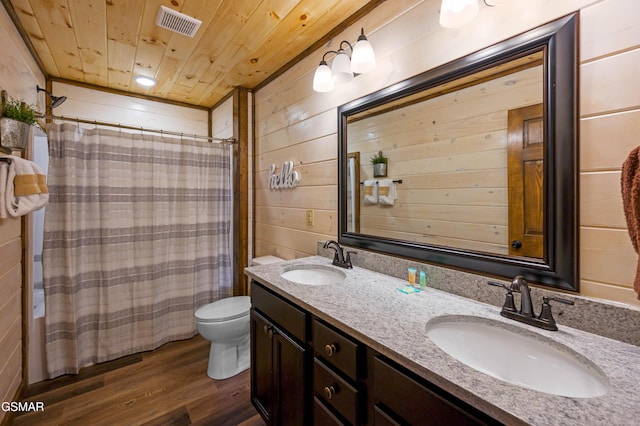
[136, 239]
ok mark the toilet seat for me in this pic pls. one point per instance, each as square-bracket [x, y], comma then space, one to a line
[224, 309]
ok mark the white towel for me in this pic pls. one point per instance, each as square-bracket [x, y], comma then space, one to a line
[387, 193]
[371, 191]
[25, 189]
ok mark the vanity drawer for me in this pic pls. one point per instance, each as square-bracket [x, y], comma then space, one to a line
[322, 416]
[279, 311]
[335, 348]
[400, 399]
[334, 391]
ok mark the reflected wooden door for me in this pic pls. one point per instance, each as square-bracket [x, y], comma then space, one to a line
[525, 155]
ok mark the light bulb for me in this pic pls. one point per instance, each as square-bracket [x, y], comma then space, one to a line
[341, 68]
[363, 59]
[322, 81]
[145, 81]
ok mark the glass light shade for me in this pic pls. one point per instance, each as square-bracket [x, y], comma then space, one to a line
[341, 68]
[363, 58]
[456, 13]
[322, 81]
[145, 81]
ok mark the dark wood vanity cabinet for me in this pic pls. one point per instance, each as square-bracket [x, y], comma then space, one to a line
[306, 371]
[279, 371]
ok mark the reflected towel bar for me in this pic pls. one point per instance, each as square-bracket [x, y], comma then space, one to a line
[395, 181]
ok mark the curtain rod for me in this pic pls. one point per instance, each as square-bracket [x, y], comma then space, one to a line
[141, 129]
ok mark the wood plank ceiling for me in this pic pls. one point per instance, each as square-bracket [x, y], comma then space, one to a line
[106, 43]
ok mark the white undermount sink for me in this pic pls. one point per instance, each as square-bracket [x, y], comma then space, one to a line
[517, 356]
[309, 274]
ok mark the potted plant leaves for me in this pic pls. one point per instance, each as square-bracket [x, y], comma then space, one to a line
[15, 122]
[379, 162]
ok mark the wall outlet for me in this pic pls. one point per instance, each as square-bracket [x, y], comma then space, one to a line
[310, 217]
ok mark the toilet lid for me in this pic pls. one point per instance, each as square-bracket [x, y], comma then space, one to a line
[224, 309]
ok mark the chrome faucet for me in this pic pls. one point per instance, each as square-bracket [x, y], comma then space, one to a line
[519, 285]
[339, 258]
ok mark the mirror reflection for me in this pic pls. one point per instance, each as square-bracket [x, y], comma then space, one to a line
[469, 156]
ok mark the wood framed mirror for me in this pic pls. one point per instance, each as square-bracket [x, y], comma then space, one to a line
[486, 150]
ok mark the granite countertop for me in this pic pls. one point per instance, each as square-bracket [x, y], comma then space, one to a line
[368, 306]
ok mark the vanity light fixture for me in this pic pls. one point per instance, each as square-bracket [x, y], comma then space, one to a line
[344, 68]
[143, 80]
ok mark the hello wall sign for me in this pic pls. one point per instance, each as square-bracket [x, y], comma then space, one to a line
[287, 178]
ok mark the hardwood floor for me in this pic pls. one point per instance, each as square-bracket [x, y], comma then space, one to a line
[168, 386]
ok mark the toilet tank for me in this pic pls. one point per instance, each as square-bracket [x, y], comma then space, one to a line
[265, 260]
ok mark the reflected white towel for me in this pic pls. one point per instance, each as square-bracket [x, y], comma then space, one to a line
[371, 191]
[26, 188]
[4, 173]
[387, 193]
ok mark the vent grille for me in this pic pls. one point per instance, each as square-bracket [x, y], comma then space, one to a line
[177, 22]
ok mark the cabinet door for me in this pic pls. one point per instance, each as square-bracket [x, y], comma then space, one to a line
[290, 381]
[262, 396]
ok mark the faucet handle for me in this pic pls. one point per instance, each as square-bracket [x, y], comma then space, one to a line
[509, 303]
[557, 299]
[347, 259]
[497, 284]
[546, 314]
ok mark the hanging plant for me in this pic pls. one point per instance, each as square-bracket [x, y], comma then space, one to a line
[379, 162]
[19, 110]
[16, 119]
[379, 158]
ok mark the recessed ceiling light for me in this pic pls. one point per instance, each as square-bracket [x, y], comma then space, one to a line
[145, 81]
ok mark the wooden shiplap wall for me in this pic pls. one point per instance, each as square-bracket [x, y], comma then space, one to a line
[10, 308]
[19, 76]
[609, 129]
[222, 120]
[91, 104]
[295, 123]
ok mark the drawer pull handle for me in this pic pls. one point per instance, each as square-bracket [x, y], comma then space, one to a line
[329, 391]
[267, 329]
[330, 350]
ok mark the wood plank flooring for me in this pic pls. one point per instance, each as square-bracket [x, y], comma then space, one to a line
[168, 386]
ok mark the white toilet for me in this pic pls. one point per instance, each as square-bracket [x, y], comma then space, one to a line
[225, 323]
